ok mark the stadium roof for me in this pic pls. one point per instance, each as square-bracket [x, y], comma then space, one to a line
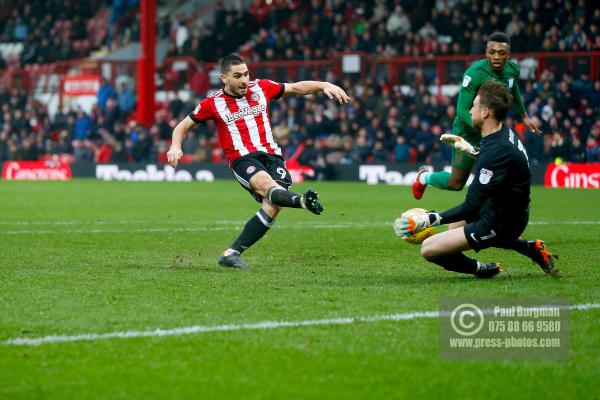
[132, 51]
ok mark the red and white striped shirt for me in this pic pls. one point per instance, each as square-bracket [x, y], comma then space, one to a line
[242, 123]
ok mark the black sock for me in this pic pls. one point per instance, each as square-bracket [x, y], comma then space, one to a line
[519, 245]
[458, 263]
[255, 228]
[284, 198]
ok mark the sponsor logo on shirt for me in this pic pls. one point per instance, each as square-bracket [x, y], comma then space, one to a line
[466, 81]
[511, 82]
[244, 112]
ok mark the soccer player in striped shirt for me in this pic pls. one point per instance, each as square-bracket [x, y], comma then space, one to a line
[240, 113]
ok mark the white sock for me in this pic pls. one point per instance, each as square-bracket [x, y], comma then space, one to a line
[229, 252]
[303, 202]
[423, 176]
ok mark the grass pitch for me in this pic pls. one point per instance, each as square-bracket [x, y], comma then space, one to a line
[90, 257]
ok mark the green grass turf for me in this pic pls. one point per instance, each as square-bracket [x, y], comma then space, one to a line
[140, 256]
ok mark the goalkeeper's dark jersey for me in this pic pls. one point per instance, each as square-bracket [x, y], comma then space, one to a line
[499, 193]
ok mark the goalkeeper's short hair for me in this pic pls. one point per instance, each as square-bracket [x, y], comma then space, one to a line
[496, 97]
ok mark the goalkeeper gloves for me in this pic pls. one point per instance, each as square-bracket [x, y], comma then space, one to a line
[460, 144]
[406, 226]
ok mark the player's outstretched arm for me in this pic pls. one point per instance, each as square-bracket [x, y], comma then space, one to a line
[520, 107]
[304, 88]
[182, 128]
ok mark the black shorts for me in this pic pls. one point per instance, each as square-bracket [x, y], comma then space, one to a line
[245, 167]
[482, 235]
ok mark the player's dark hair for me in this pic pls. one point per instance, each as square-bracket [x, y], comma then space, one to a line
[228, 61]
[496, 97]
[499, 37]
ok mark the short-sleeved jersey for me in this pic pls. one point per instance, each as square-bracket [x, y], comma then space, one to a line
[242, 122]
[473, 78]
[500, 190]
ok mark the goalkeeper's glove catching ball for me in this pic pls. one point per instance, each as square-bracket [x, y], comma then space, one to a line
[410, 224]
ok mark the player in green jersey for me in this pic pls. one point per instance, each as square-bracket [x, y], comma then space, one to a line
[495, 66]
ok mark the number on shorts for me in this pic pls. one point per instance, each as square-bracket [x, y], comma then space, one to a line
[282, 172]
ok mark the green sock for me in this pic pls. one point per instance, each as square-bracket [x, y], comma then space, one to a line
[438, 179]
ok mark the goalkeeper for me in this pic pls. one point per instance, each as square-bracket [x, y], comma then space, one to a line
[465, 137]
[496, 210]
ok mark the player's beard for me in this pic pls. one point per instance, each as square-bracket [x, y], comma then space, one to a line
[237, 91]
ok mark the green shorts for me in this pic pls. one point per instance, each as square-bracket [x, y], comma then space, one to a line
[459, 159]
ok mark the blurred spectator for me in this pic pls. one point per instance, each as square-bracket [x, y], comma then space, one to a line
[398, 23]
[200, 82]
[83, 126]
[126, 99]
[82, 152]
[401, 150]
[104, 93]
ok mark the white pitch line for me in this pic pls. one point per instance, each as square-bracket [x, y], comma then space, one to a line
[295, 225]
[183, 229]
[115, 222]
[265, 325]
[96, 231]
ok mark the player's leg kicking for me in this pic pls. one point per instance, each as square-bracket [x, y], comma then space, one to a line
[273, 196]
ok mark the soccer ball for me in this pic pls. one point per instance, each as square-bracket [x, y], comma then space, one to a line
[417, 238]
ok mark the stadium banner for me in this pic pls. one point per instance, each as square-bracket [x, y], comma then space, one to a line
[83, 85]
[158, 173]
[373, 174]
[390, 174]
[206, 172]
[568, 175]
[36, 171]
[405, 174]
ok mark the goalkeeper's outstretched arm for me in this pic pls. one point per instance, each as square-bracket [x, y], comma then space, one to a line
[408, 226]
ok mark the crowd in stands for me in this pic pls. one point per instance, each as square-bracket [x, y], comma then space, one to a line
[294, 29]
[51, 30]
[383, 124]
